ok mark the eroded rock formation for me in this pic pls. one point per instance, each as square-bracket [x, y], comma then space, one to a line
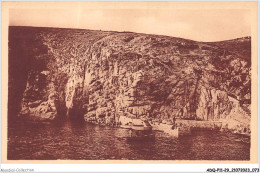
[101, 75]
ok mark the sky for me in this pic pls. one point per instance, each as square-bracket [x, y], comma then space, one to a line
[199, 25]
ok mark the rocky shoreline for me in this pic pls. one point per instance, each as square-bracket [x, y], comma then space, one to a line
[102, 75]
[191, 124]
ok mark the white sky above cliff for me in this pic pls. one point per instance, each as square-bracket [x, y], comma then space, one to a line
[200, 25]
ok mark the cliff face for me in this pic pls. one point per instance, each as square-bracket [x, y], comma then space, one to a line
[101, 75]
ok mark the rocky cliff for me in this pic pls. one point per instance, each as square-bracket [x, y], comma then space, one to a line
[100, 75]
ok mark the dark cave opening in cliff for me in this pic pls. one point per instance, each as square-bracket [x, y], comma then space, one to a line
[18, 67]
[74, 114]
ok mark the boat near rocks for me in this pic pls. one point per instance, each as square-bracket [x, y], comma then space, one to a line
[139, 129]
[140, 135]
[172, 131]
[135, 124]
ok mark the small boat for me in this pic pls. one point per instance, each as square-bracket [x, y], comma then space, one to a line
[135, 124]
[138, 129]
[126, 126]
[168, 128]
[143, 125]
[140, 135]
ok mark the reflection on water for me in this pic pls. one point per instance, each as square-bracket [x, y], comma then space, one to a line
[82, 141]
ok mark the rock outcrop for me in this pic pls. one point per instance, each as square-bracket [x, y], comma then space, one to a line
[102, 75]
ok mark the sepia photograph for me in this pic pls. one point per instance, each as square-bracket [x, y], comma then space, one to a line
[140, 81]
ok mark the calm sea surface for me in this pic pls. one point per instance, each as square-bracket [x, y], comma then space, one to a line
[83, 141]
